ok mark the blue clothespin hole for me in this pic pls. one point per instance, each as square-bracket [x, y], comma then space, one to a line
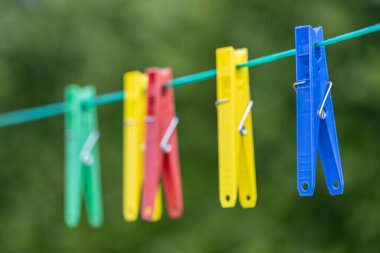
[85, 155]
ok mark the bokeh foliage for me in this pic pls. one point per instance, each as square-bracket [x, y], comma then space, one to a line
[47, 44]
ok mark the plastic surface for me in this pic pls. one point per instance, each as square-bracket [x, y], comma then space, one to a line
[80, 178]
[159, 164]
[92, 177]
[73, 175]
[135, 85]
[235, 150]
[313, 133]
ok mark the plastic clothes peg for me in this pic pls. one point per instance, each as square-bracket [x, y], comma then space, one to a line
[316, 130]
[82, 169]
[235, 134]
[162, 155]
[135, 103]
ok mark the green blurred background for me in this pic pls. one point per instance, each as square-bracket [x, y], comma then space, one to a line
[47, 44]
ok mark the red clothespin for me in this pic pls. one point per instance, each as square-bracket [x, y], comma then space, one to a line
[161, 155]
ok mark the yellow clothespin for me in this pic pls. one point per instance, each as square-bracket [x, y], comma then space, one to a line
[235, 135]
[135, 103]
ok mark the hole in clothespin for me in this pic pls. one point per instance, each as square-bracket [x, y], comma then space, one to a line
[248, 197]
[318, 54]
[305, 186]
[335, 185]
[151, 101]
[322, 114]
[228, 197]
[164, 91]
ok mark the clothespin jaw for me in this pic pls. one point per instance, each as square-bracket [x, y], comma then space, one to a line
[316, 130]
[82, 170]
[162, 157]
[235, 135]
[135, 103]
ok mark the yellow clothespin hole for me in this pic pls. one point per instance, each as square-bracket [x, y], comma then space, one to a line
[235, 134]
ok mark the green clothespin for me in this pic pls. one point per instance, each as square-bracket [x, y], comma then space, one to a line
[82, 169]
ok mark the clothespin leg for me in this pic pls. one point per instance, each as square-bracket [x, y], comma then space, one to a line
[246, 157]
[73, 176]
[133, 173]
[93, 192]
[307, 101]
[157, 211]
[172, 181]
[135, 84]
[227, 132]
[306, 151]
[329, 151]
[91, 168]
[151, 186]
[247, 175]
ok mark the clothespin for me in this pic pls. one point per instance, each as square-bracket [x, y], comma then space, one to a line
[235, 134]
[82, 169]
[316, 129]
[162, 155]
[135, 103]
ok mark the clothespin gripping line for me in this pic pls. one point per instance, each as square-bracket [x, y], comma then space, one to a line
[164, 144]
[85, 154]
[47, 111]
[241, 128]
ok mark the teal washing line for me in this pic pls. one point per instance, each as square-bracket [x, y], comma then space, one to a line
[47, 111]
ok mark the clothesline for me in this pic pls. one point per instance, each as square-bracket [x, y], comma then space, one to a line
[51, 110]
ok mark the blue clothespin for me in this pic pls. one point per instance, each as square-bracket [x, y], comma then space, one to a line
[316, 129]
